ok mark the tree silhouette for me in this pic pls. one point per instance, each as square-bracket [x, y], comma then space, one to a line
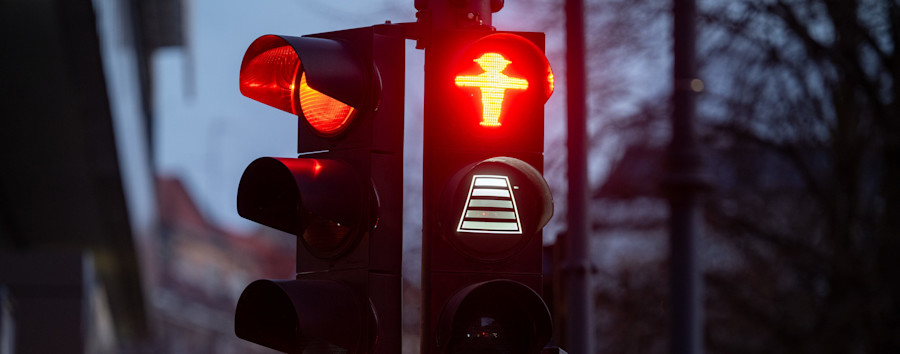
[799, 118]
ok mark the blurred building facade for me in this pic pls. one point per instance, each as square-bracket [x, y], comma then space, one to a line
[68, 207]
[195, 273]
[97, 253]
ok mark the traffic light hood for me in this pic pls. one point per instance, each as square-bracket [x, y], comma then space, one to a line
[320, 79]
[297, 315]
[318, 200]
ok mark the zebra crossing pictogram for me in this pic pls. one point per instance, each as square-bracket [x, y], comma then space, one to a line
[490, 207]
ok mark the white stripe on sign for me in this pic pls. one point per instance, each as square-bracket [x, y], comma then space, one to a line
[490, 182]
[489, 214]
[490, 226]
[485, 192]
[490, 203]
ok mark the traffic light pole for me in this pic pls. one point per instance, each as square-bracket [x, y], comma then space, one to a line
[576, 266]
[682, 184]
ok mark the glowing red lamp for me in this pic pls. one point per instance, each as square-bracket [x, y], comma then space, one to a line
[272, 73]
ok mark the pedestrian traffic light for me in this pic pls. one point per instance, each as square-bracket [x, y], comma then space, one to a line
[342, 197]
[485, 199]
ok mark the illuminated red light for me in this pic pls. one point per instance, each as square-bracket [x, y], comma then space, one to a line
[493, 84]
[273, 74]
[326, 115]
[317, 167]
[549, 81]
[308, 167]
[269, 77]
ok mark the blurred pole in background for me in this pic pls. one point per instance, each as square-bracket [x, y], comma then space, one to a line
[578, 329]
[682, 183]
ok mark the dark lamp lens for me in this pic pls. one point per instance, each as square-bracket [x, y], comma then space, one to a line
[324, 235]
[483, 334]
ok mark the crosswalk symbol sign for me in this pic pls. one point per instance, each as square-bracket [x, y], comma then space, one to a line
[490, 207]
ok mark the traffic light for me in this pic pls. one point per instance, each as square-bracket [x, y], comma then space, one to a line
[485, 199]
[341, 198]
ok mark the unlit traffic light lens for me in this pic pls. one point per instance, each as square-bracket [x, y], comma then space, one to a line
[485, 334]
[319, 200]
[497, 316]
[324, 235]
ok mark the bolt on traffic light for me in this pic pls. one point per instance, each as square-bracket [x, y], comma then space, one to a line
[341, 198]
[485, 199]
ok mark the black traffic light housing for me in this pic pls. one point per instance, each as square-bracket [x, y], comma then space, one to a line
[485, 200]
[342, 197]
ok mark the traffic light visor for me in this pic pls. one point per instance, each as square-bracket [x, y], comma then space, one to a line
[302, 316]
[318, 200]
[274, 73]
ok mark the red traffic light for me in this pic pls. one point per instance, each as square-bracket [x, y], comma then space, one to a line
[492, 83]
[484, 198]
[486, 91]
[342, 198]
[326, 115]
[293, 74]
[504, 65]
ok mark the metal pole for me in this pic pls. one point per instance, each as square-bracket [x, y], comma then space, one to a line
[682, 184]
[575, 270]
